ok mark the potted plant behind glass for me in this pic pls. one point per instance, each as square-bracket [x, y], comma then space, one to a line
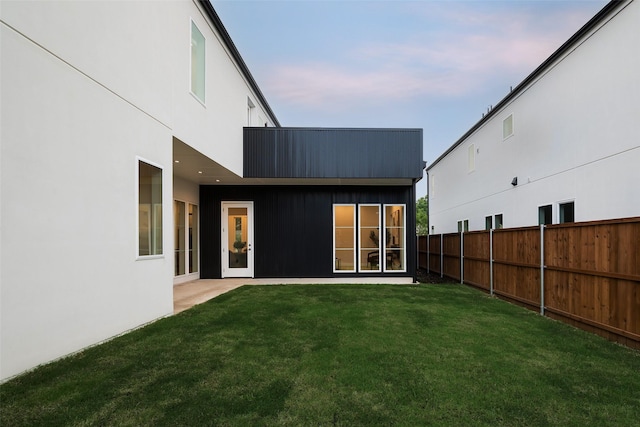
[239, 245]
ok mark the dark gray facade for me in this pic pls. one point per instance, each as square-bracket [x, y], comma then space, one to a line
[333, 153]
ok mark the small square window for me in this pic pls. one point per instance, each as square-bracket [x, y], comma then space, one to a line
[545, 215]
[567, 212]
[507, 127]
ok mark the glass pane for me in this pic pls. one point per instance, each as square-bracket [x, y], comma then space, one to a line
[395, 237]
[344, 259]
[344, 216]
[149, 209]
[197, 62]
[193, 238]
[344, 238]
[179, 237]
[395, 259]
[369, 234]
[238, 236]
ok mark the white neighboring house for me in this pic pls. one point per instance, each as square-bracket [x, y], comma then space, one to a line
[562, 146]
[99, 98]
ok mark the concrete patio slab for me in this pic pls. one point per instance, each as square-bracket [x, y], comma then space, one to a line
[186, 295]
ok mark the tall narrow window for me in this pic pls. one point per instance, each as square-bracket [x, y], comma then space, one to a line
[369, 216]
[507, 127]
[567, 212]
[179, 237]
[545, 215]
[395, 239]
[193, 238]
[149, 209]
[197, 62]
[498, 221]
[344, 238]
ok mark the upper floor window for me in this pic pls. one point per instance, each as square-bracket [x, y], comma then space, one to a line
[567, 212]
[149, 209]
[507, 127]
[197, 62]
[545, 215]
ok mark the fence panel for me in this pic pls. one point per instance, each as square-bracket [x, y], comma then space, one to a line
[592, 276]
[477, 259]
[434, 253]
[516, 264]
[451, 255]
[422, 253]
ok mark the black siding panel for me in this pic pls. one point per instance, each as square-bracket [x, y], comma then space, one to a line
[293, 226]
[332, 153]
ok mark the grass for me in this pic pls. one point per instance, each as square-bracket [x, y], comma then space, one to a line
[339, 355]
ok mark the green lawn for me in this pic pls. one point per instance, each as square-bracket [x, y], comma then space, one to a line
[325, 355]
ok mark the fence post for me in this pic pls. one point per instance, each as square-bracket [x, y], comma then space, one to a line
[542, 269]
[461, 257]
[441, 256]
[491, 262]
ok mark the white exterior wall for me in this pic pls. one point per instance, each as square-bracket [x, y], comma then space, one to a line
[576, 138]
[87, 89]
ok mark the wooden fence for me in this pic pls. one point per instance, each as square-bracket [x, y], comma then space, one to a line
[586, 274]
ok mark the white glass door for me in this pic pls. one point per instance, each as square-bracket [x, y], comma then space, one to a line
[237, 239]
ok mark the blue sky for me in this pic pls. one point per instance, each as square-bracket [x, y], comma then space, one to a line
[435, 65]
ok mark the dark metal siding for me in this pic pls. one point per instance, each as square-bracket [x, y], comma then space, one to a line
[293, 226]
[332, 153]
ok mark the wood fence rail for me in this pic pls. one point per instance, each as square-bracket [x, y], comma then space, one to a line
[585, 274]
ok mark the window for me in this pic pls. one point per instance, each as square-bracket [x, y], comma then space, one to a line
[463, 226]
[545, 215]
[498, 221]
[250, 109]
[197, 62]
[395, 242]
[344, 238]
[567, 212]
[507, 127]
[472, 158]
[488, 222]
[369, 219]
[374, 250]
[149, 209]
[185, 243]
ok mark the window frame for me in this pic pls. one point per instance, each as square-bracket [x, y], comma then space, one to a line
[561, 213]
[140, 160]
[359, 231]
[546, 206]
[403, 249]
[192, 24]
[513, 128]
[355, 239]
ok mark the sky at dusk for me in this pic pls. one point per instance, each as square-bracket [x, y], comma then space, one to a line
[435, 65]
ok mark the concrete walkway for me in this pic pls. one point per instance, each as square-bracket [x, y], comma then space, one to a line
[186, 295]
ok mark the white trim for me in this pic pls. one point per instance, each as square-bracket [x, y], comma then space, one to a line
[224, 250]
[403, 248]
[190, 275]
[380, 234]
[355, 249]
[139, 257]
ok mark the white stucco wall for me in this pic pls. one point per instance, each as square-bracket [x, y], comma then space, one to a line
[576, 138]
[88, 87]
